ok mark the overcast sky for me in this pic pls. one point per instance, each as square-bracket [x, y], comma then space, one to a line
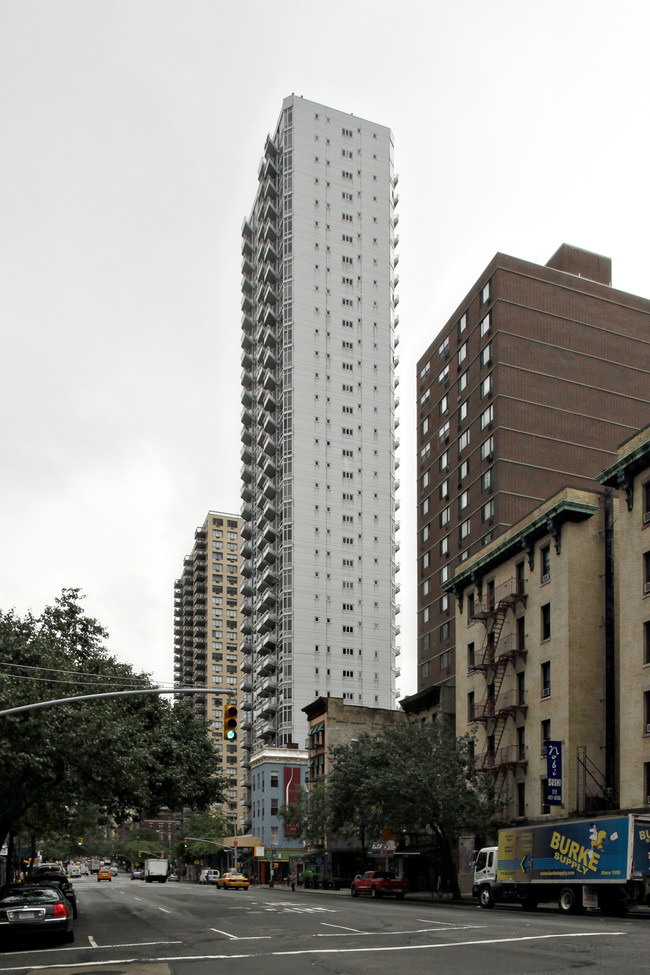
[130, 135]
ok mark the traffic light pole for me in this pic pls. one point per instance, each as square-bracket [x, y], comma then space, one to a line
[96, 697]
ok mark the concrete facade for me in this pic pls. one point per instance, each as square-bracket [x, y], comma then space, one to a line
[318, 425]
[631, 475]
[207, 640]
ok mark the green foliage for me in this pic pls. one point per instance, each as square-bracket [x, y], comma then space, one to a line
[207, 827]
[411, 778]
[126, 757]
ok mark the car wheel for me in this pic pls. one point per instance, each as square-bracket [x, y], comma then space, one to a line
[486, 898]
[354, 891]
[375, 892]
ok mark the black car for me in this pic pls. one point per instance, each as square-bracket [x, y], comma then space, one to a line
[35, 909]
[54, 875]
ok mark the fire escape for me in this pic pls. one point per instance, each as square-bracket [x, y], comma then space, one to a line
[492, 660]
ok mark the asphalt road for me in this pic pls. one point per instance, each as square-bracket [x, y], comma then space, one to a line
[184, 929]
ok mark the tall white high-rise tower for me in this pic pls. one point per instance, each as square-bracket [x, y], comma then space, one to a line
[318, 423]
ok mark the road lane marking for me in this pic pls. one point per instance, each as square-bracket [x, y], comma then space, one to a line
[341, 926]
[399, 932]
[225, 934]
[312, 951]
[93, 943]
[164, 910]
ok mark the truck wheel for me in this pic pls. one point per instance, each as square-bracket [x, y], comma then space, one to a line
[354, 891]
[569, 901]
[375, 892]
[486, 897]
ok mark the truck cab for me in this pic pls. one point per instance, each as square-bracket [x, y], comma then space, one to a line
[485, 875]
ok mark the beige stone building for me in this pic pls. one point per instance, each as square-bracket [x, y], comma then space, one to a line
[631, 475]
[531, 643]
[207, 640]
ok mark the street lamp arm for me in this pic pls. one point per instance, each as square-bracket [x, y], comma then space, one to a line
[95, 697]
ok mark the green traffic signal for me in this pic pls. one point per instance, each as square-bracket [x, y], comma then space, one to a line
[230, 722]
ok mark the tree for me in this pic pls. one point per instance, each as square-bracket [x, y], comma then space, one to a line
[207, 827]
[129, 757]
[413, 777]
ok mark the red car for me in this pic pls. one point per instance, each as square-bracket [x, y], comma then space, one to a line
[378, 883]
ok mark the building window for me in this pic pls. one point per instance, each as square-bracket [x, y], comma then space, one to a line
[462, 353]
[444, 404]
[546, 622]
[646, 712]
[521, 633]
[444, 574]
[463, 441]
[444, 603]
[444, 460]
[470, 656]
[486, 354]
[646, 573]
[485, 293]
[443, 349]
[444, 489]
[462, 323]
[486, 386]
[444, 516]
[470, 706]
[646, 503]
[463, 381]
[443, 432]
[445, 660]
[486, 480]
[521, 799]
[464, 529]
[546, 678]
[487, 417]
[463, 471]
[425, 670]
[545, 563]
[425, 480]
[487, 449]
[444, 632]
[444, 545]
[646, 642]
[426, 560]
[463, 500]
[443, 377]
[485, 325]
[487, 511]
[463, 411]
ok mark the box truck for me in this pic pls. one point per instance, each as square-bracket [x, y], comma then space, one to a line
[156, 870]
[602, 863]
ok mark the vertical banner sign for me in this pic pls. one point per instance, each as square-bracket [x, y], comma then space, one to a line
[292, 798]
[554, 773]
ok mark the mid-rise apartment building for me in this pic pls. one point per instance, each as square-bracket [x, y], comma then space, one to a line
[553, 648]
[207, 639]
[318, 424]
[537, 376]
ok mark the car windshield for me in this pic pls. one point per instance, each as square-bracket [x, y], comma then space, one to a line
[28, 895]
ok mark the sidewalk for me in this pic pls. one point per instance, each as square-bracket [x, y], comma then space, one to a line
[419, 896]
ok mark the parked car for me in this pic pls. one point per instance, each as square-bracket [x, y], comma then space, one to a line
[137, 873]
[30, 909]
[52, 873]
[209, 876]
[233, 880]
[173, 877]
[75, 870]
[378, 883]
[104, 873]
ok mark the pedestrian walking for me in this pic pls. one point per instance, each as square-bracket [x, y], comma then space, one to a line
[292, 880]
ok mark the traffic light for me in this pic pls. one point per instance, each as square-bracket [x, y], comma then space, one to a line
[80, 841]
[230, 722]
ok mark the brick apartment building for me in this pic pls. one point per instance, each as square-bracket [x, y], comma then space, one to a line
[533, 382]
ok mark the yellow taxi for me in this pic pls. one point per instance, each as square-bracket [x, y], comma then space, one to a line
[234, 880]
[104, 873]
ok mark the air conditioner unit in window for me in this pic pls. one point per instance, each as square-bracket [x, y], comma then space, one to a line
[646, 518]
[546, 692]
[647, 729]
[546, 577]
[646, 588]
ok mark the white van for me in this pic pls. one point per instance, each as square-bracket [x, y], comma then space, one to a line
[209, 876]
